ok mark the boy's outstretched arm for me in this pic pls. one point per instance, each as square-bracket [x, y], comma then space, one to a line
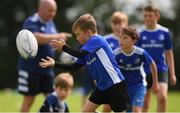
[49, 62]
[61, 45]
[155, 85]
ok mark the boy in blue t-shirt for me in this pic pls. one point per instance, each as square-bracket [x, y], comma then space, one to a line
[156, 40]
[101, 63]
[130, 60]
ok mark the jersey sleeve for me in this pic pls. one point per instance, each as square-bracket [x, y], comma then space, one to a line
[147, 58]
[168, 41]
[92, 45]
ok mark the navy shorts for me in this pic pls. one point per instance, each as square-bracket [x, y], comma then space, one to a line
[33, 83]
[116, 96]
[162, 77]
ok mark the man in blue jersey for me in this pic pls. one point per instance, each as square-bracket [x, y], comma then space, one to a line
[130, 60]
[55, 102]
[32, 78]
[156, 40]
[101, 63]
[119, 20]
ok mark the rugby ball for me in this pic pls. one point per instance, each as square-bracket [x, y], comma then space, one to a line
[26, 44]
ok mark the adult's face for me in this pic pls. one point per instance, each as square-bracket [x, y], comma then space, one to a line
[47, 10]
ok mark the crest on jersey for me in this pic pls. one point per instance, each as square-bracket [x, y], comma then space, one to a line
[137, 60]
[161, 37]
[144, 38]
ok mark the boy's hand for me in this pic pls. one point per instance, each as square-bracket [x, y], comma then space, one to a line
[47, 63]
[155, 87]
[64, 36]
[57, 44]
[173, 80]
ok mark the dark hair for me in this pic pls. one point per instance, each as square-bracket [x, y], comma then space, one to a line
[132, 32]
[152, 8]
[85, 22]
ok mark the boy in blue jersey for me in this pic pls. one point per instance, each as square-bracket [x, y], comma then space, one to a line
[55, 102]
[130, 60]
[119, 20]
[156, 40]
[101, 63]
[32, 78]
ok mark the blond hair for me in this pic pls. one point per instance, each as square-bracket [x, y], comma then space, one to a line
[64, 80]
[119, 17]
[85, 22]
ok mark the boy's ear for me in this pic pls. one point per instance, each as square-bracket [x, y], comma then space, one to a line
[88, 31]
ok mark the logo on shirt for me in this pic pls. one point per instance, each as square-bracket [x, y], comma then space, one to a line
[144, 38]
[91, 61]
[42, 28]
[137, 61]
[121, 61]
[128, 65]
[161, 37]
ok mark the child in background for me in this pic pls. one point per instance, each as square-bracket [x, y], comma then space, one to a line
[101, 63]
[156, 40]
[130, 60]
[119, 20]
[55, 102]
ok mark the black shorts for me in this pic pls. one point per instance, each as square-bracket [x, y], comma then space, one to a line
[116, 96]
[162, 77]
[33, 83]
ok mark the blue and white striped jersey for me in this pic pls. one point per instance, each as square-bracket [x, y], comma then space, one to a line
[101, 62]
[131, 65]
[156, 42]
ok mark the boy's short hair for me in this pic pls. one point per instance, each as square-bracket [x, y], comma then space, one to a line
[64, 80]
[85, 22]
[152, 8]
[119, 17]
[132, 32]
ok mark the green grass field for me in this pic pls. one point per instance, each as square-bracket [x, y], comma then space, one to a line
[10, 101]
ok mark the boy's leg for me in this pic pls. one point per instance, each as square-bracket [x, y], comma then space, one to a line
[27, 103]
[147, 101]
[90, 107]
[106, 108]
[162, 97]
[138, 98]
[162, 93]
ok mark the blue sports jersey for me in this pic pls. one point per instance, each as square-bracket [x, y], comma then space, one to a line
[35, 24]
[101, 62]
[53, 104]
[112, 40]
[131, 65]
[156, 42]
